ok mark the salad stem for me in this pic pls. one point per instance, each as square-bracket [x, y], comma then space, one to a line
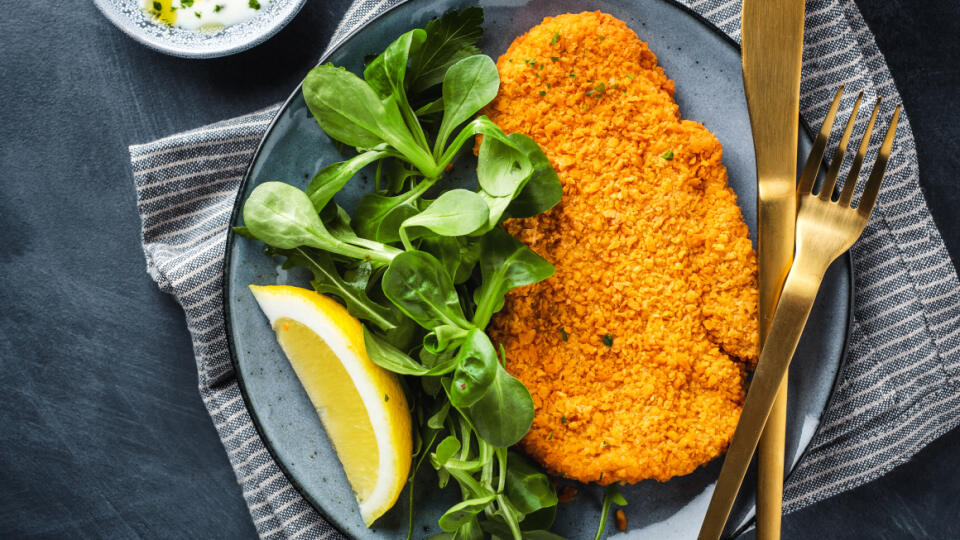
[509, 517]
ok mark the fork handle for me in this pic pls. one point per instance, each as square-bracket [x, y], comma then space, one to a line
[796, 300]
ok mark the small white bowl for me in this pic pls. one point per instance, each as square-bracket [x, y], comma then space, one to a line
[130, 17]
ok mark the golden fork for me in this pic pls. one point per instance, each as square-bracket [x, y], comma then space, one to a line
[825, 230]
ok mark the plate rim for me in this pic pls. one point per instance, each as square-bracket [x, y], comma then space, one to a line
[847, 259]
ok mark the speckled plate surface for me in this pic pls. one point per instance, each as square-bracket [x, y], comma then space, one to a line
[706, 67]
[130, 17]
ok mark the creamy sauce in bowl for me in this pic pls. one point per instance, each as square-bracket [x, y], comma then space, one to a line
[203, 15]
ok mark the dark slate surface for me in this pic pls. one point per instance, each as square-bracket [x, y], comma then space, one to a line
[102, 433]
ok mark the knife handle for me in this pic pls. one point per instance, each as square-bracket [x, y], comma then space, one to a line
[796, 300]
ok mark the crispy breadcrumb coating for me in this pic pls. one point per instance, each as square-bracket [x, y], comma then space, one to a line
[631, 350]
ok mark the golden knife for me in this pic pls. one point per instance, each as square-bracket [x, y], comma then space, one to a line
[771, 33]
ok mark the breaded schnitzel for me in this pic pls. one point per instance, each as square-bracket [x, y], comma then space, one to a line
[635, 350]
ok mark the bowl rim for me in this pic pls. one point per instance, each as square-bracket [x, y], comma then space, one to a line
[267, 31]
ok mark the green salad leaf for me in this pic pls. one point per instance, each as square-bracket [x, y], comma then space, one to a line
[611, 497]
[476, 369]
[426, 275]
[529, 489]
[345, 106]
[443, 337]
[379, 217]
[457, 212]
[468, 86]
[417, 284]
[464, 511]
[451, 38]
[386, 75]
[502, 167]
[504, 413]
[348, 109]
[327, 280]
[505, 263]
[332, 178]
[542, 191]
[387, 356]
[458, 256]
[283, 216]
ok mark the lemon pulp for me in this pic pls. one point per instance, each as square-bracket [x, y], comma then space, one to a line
[361, 405]
[333, 393]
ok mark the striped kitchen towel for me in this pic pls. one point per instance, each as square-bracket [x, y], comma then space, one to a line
[898, 389]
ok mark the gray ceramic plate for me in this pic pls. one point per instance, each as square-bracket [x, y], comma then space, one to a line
[129, 16]
[706, 68]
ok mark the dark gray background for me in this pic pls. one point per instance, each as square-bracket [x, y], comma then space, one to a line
[102, 432]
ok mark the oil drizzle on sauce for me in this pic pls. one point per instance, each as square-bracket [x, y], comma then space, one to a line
[202, 15]
[162, 12]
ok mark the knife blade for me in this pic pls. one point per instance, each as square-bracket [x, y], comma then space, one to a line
[776, 215]
[772, 45]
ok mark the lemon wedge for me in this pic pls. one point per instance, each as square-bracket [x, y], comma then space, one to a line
[361, 405]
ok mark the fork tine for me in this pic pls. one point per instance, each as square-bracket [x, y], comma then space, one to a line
[826, 190]
[851, 182]
[812, 167]
[872, 189]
